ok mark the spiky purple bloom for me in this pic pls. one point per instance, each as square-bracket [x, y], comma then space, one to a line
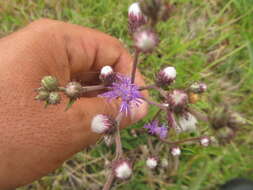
[128, 92]
[155, 129]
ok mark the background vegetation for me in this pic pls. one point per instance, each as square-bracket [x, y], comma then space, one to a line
[211, 40]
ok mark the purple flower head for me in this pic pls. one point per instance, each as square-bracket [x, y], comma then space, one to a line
[124, 89]
[152, 127]
[155, 129]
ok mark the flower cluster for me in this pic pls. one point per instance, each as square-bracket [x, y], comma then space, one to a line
[128, 92]
[155, 129]
[175, 103]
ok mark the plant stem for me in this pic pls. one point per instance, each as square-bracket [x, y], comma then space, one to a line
[151, 86]
[93, 88]
[161, 106]
[182, 141]
[119, 152]
[135, 63]
[109, 182]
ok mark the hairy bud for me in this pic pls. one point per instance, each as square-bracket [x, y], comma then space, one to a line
[73, 90]
[198, 87]
[135, 17]
[102, 124]
[54, 98]
[151, 162]
[175, 151]
[177, 100]
[166, 76]
[42, 95]
[107, 75]
[49, 83]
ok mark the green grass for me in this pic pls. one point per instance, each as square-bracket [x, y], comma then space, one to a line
[209, 40]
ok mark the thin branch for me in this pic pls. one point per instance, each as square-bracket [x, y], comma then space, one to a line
[151, 86]
[135, 63]
[93, 88]
[182, 141]
[161, 106]
[119, 152]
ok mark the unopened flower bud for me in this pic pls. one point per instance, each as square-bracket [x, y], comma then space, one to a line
[166, 76]
[54, 98]
[49, 83]
[235, 120]
[177, 100]
[175, 151]
[73, 90]
[151, 162]
[145, 40]
[164, 163]
[102, 124]
[107, 75]
[198, 87]
[109, 140]
[135, 17]
[42, 95]
[122, 169]
[205, 141]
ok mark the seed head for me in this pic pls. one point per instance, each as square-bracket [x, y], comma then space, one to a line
[151, 162]
[166, 76]
[175, 151]
[102, 124]
[145, 40]
[122, 169]
[205, 141]
[177, 99]
[187, 122]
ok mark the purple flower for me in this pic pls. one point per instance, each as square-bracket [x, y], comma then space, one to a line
[124, 89]
[152, 127]
[155, 129]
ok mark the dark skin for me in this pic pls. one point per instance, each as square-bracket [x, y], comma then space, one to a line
[35, 141]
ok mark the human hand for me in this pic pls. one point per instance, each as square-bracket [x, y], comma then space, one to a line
[34, 141]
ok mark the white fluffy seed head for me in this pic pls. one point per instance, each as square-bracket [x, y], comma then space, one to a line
[175, 151]
[151, 162]
[123, 170]
[100, 124]
[205, 141]
[145, 40]
[187, 122]
[177, 100]
[170, 72]
[134, 9]
[106, 70]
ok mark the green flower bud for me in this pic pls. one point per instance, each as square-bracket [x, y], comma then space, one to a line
[42, 95]
[54, 98]
[50, 83]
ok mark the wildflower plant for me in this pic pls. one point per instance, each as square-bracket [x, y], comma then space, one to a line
[176, 113]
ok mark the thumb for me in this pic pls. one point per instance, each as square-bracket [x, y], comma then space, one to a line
[85, 109]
